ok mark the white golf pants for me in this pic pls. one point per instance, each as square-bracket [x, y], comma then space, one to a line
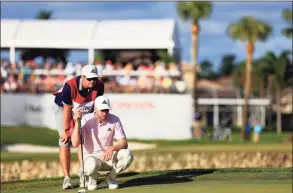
[120, 161]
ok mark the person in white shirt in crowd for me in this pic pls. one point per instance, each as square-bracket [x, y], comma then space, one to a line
[4, 73]
[10, 85]
[109, 66]
[99, 66]
[78, 68]
[100, 153]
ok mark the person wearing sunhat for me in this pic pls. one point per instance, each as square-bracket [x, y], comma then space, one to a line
[79, 92]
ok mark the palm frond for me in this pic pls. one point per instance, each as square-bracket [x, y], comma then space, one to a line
[287, 15]
[249, 29]
[288, 32]
[194, 10]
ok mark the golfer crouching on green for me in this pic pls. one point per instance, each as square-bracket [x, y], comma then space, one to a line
[98, 130]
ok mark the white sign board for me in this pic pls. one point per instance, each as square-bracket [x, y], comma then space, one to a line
[144, 116]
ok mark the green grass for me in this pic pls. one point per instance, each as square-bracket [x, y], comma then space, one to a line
[49, 137]
[183, 181]
[29, 135]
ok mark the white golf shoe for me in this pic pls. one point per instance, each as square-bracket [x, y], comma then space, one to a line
[67, 183]
[81, 178]
[112, 184]
[92, 184]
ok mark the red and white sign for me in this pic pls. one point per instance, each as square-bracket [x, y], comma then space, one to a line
[144, 116]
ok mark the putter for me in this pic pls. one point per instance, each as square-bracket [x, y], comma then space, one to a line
[80, 135]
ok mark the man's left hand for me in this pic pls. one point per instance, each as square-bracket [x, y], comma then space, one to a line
[109, 153]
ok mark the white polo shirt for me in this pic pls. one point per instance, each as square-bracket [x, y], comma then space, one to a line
[99, 137]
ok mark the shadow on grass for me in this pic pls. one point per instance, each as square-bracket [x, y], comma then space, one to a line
[168, 177]
[128, 174]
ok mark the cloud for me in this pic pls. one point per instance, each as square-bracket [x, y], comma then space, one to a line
[125, 10]
[99, 15]
[212, 27]
[258, 14]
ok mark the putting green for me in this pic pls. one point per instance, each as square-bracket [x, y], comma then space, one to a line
[182, 181]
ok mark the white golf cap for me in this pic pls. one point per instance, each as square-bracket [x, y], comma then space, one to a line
[102, 103]
[89, 71]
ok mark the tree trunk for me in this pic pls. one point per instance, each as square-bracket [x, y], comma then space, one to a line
[279, 113]
[247, 89]
[194, 52]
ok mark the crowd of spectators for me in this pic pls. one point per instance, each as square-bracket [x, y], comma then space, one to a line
[31, 77]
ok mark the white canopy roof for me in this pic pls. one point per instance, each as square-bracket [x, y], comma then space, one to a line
[85, 34]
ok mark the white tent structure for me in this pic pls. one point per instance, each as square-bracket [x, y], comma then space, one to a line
[90, 35]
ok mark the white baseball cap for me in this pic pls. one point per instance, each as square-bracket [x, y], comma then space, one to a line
[89, 71]
[102, 103]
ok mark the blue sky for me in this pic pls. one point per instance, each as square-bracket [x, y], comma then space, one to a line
[214, 42]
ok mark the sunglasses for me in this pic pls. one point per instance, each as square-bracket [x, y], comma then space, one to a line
[91, 79]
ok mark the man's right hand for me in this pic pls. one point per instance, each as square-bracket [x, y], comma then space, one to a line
[64, 137]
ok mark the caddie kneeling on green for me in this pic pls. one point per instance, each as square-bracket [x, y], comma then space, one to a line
[100, 154]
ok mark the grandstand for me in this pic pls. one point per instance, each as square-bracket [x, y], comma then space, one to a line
[131, 65]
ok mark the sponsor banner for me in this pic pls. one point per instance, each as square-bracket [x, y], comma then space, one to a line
[144, 116]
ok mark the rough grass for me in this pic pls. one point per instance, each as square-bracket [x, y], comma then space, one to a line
[183, 181]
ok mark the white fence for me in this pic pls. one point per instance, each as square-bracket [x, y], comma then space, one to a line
[144, 116]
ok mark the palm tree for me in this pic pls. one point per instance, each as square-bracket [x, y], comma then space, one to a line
[57, 54]
[227, 65]
[278, 65]
[249, 30]
[287, 16]
[260, 75]
[165, 57]
[194, 11]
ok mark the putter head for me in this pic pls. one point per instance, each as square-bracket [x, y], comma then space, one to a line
[81, 191]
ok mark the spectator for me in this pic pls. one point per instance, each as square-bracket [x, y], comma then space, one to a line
[128, 68]
[160, 69]
[78, 68]
[166, 84]
[26, 72]
[197, 126]
[247, 131]
[141, 84]
[13, 70]
[99, 67]
[179, 86]
[4, 73]
[256, 131]
[2, 85]
[10, 85]
[173, 70]
[109, 66]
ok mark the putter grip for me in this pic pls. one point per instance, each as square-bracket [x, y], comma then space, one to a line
[79, 121]
[79, 124]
